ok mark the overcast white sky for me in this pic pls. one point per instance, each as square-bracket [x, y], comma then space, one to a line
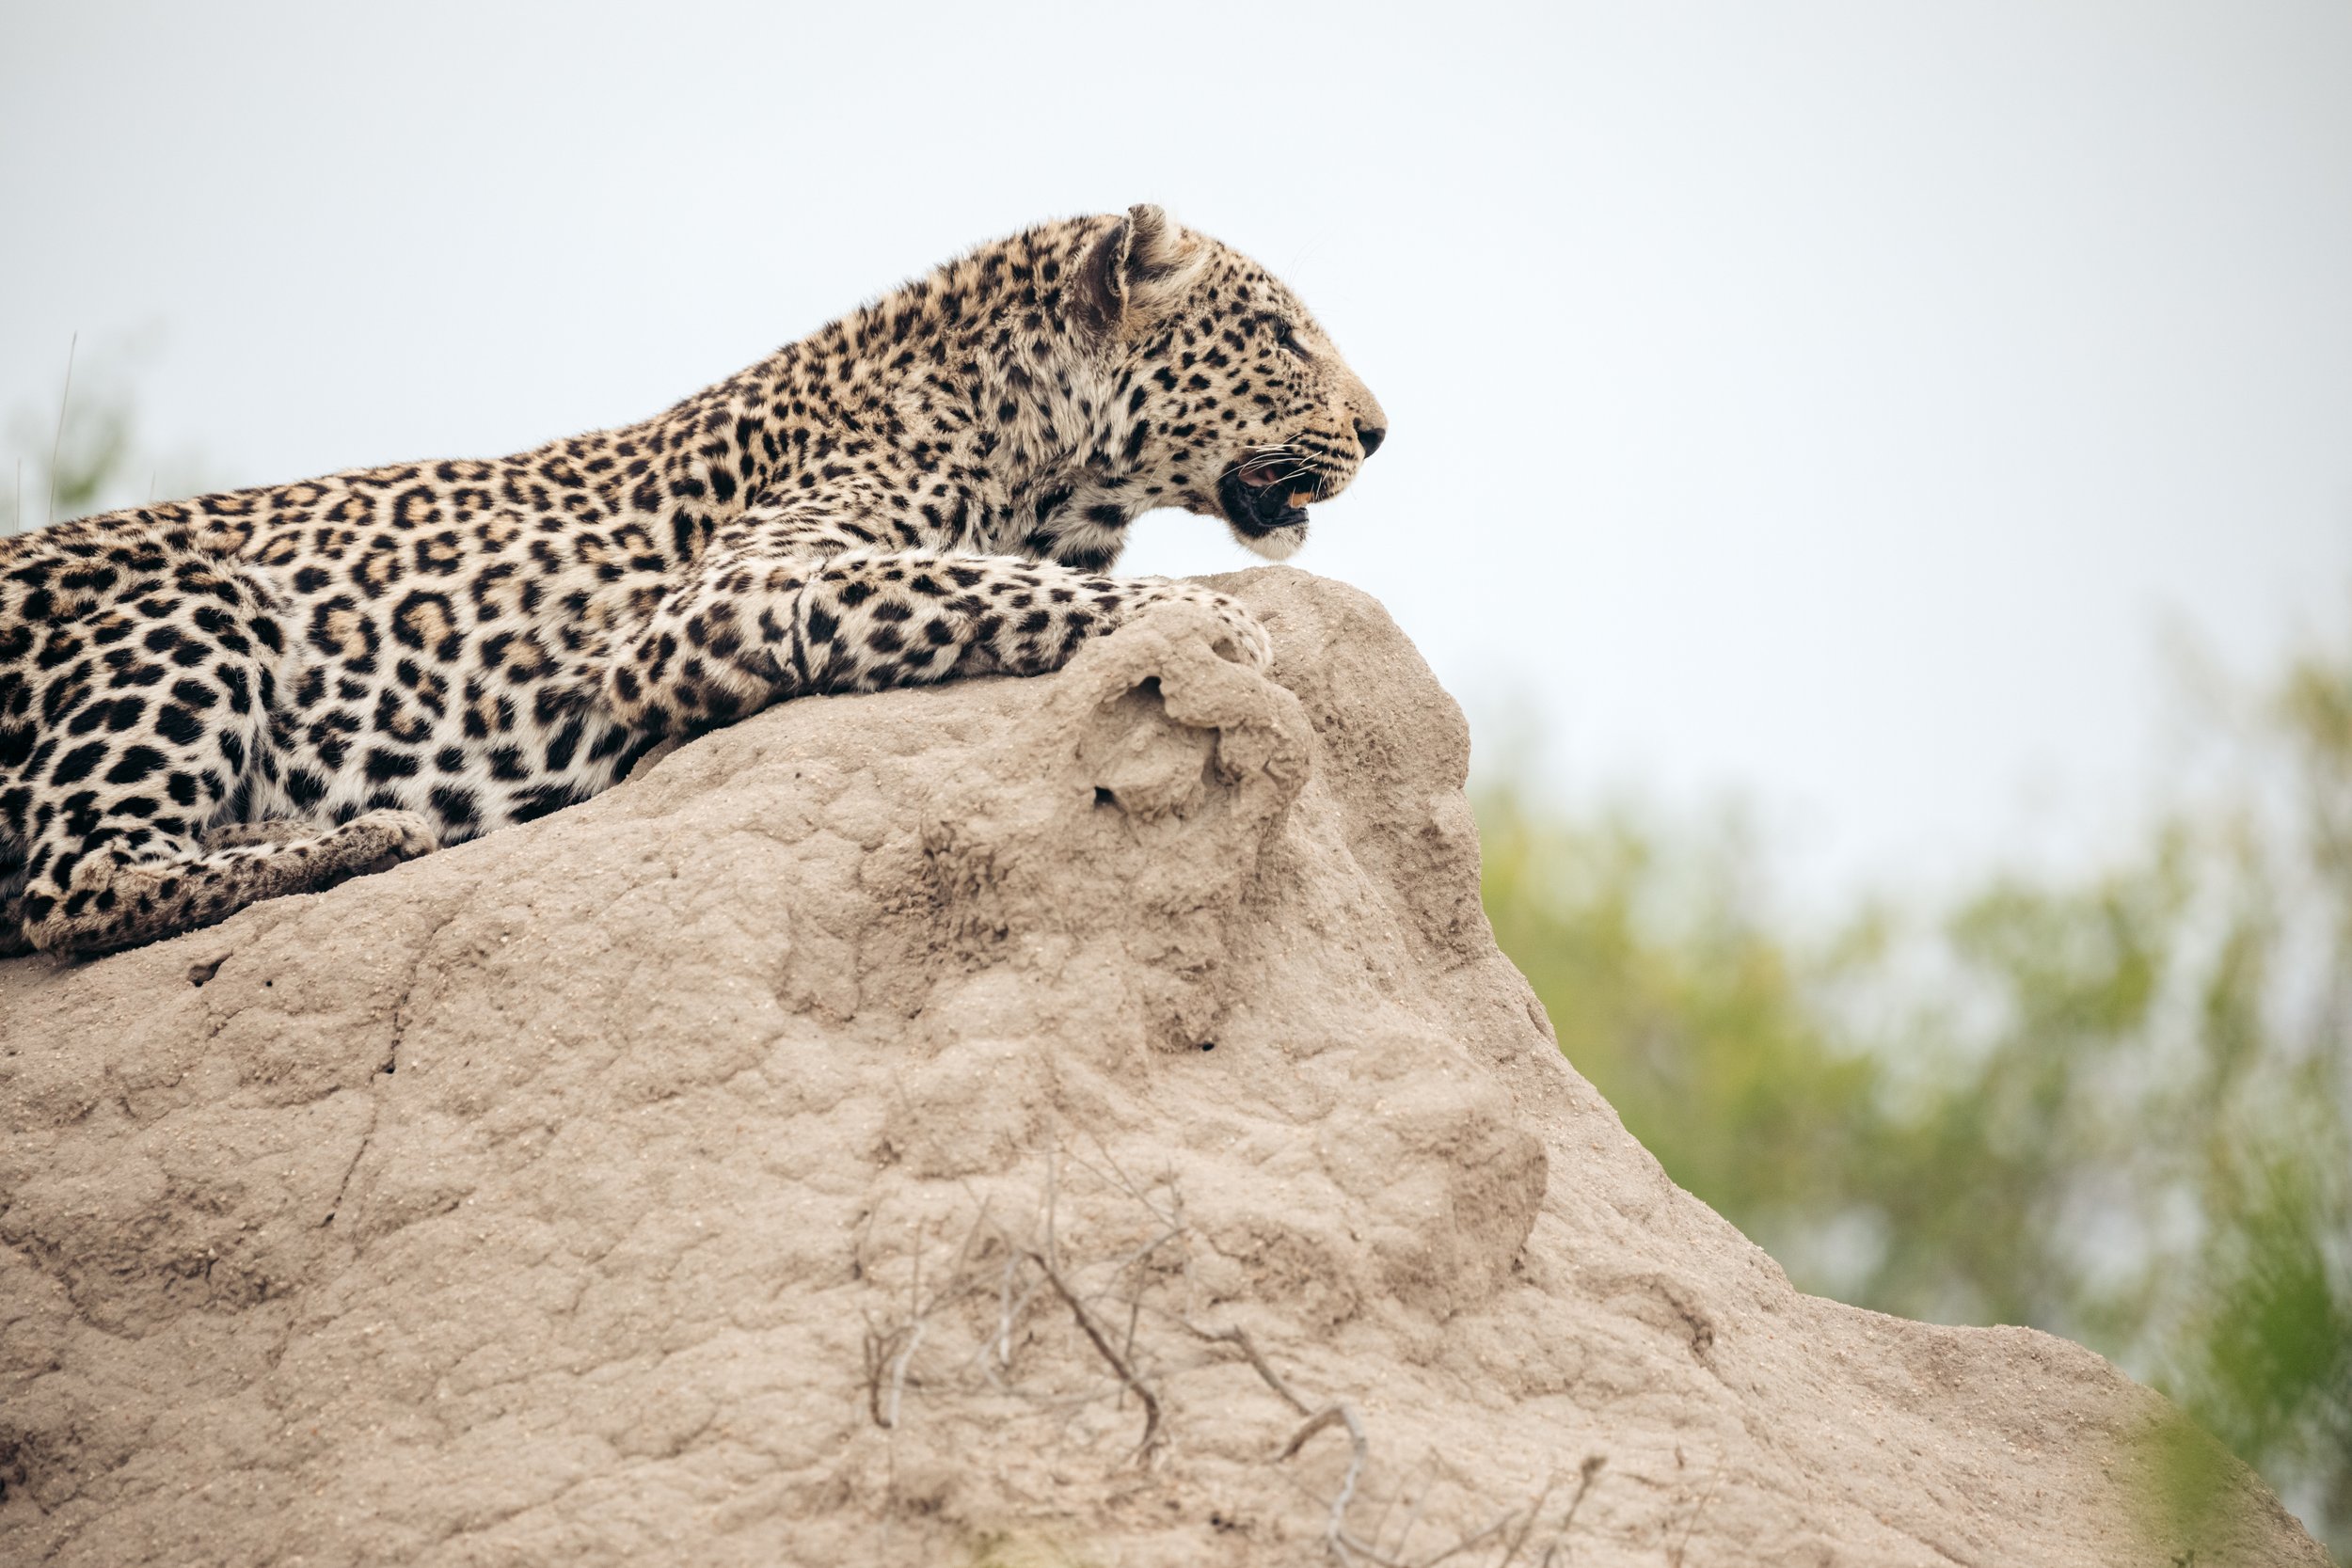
[1823, 403]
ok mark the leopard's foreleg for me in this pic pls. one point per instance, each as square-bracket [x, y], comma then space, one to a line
[745, 633]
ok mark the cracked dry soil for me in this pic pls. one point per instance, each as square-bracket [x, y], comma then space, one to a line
[1074, 1120]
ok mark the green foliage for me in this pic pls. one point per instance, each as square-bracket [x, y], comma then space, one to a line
[95, 450]
[2116, 1107]
[1677, 1001]
[84, 453]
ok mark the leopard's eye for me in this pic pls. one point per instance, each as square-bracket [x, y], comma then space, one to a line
[1288, 339]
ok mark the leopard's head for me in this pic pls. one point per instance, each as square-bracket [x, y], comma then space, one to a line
[1242, 408]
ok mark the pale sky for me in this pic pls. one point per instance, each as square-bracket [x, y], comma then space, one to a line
[1826, 405]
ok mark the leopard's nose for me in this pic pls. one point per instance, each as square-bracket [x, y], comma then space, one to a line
[1369, 436]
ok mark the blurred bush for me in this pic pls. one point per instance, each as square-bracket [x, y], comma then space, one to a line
[2115, 1106]
[84, 453]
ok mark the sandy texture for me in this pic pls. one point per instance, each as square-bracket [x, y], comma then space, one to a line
[858, 1139]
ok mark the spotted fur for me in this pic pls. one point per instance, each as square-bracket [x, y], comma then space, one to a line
[265, 691]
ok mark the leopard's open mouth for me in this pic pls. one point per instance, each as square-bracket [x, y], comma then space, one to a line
[1265, 493]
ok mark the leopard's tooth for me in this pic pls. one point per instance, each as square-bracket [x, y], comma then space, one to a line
[1302, 498]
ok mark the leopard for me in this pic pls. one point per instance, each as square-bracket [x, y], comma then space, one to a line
[262, 692]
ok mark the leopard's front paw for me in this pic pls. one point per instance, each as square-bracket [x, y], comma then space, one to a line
[1238, 636]
[1247, 642]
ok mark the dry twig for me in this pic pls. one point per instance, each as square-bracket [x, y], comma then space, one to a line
[1535, 1512]
[58, 443]
[1335, 1534]
[1412, 1518]
[1674, 1555]
[1466, 1543]
[898, 1373]
[894, 1350]
[1239, 1336]
[1150, 1442]
[1558, 1551]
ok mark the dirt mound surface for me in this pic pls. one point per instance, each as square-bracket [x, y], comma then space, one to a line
[1074, 1120]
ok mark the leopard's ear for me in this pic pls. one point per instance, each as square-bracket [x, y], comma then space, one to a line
[1132, 273]
[1158, 246]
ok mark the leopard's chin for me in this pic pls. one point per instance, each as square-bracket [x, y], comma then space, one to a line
[1267, 517]
[1279, 545]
